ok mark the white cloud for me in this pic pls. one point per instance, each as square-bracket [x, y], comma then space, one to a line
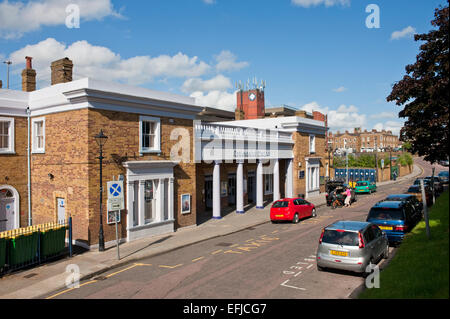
[340, 89]
[209, 1]
[315, 3]
[219, 82]
[406, 32]
[393, 126]
[217, 99]
[226, 61]
[17, 18]
[102, 63]
[343, 118]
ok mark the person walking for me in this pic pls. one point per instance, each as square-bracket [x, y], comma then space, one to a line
[348, 198]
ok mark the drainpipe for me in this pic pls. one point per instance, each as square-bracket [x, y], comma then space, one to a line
[29, 168]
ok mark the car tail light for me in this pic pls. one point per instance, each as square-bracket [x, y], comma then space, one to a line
[321, 236]
[361, 241]
[367, 187]
[401, 228]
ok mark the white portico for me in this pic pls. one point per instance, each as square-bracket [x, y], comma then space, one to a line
[221, 144]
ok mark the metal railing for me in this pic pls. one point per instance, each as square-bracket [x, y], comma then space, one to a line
[28, 246]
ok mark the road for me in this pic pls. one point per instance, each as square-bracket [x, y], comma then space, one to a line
[270, 261]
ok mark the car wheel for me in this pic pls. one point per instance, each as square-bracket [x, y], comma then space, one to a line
[320, 268]
[313, 213]
[365, 273]
[295, 219]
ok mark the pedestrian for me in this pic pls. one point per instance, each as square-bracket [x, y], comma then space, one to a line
[347, 199]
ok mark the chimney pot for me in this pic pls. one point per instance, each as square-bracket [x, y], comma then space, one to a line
[28, 58]
[28, 77]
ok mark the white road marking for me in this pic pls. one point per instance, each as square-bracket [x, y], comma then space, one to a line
[284, 285]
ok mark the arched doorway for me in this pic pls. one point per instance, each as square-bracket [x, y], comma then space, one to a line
[9, 208]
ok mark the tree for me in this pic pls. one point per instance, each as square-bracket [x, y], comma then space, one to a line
[424, 92]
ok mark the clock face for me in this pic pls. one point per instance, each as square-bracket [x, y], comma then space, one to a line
[252, 96]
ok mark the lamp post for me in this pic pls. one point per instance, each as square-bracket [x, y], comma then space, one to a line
[101, 138]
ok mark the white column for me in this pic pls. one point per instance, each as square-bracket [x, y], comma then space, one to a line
[130, 207]
[289, 179]
[160, 211]
[259, 185]
[276, 180]
[216, 191]
[240, 188]
[141, 212]
[170, 203]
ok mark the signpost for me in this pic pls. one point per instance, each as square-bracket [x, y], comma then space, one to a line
[115, 204]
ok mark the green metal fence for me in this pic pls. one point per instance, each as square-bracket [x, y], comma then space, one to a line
[32, 245]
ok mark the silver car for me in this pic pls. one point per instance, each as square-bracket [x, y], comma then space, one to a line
[351, 245]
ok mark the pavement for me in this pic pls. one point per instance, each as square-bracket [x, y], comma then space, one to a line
[46, 278]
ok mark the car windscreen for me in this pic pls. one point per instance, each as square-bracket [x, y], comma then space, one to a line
[414, 189]
[361, 184]
[443, 173]
[386, 213]
[281, 204]
[340, 237]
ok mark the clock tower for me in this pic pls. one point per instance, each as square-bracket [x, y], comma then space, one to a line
[251, 103]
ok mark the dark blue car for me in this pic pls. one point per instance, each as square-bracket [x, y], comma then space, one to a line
[395, 218]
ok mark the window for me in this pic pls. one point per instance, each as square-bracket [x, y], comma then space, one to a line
[6, 135]
[268, 184]
[38, 142]
[149, 200]
[149, 136]
[312, 144]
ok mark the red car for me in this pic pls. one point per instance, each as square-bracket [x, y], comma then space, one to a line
[292, 209]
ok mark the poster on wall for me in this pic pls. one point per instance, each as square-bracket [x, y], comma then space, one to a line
[185, 203]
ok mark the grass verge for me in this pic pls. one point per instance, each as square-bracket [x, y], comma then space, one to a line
[420, 268]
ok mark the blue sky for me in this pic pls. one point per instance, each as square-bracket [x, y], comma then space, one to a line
[313, 54]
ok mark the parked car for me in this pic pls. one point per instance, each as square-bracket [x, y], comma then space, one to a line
[409, 198]
[395, 218]
[443, 176]
[365, 187]
[291, 209]
[338, 187]
[438, 187]
[426, 182]
[443, 162]
[351, 245]
[416, 191]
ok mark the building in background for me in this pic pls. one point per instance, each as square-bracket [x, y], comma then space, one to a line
[364, 141]
[180, 162]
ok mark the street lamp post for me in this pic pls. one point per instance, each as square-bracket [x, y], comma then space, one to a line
[101, 140]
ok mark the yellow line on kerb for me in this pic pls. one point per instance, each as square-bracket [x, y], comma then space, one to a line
[67, 290]
[170, 267]
[118, 272]
[197, 259]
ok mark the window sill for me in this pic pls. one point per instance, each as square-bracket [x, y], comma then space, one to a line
[150, 151]
[38, 152]
[7, 152]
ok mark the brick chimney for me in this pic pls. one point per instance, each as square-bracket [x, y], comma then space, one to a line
[62, 71]
[239, 114]
[28, 76]
[1, 84]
